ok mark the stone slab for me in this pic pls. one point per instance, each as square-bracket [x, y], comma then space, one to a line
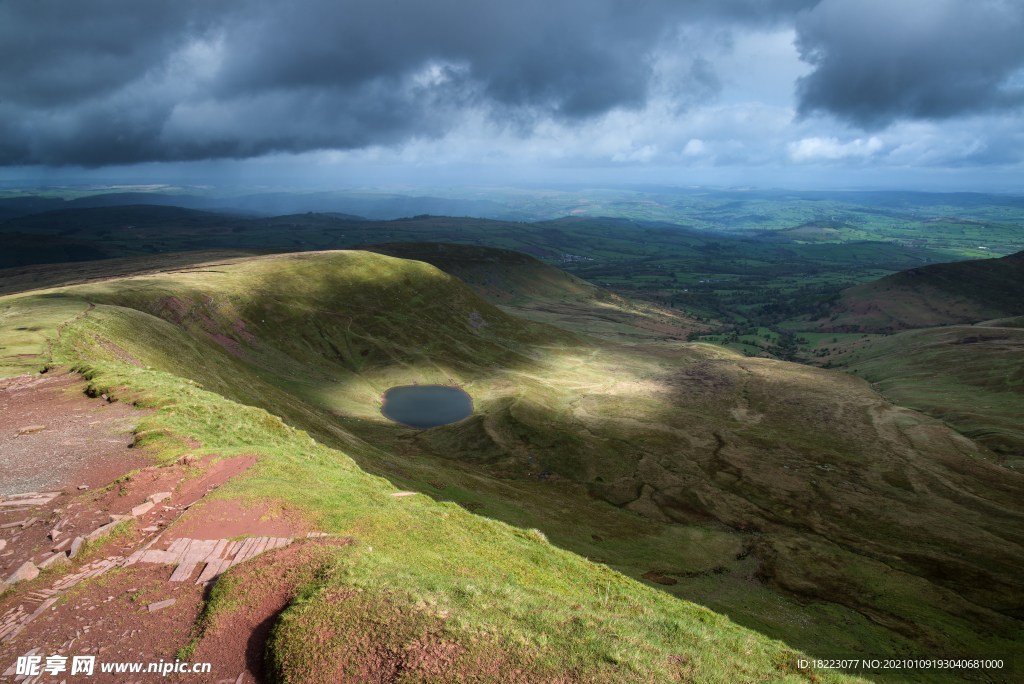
[27, 571]
[178, 545]
[194, 554]
[27, 502]
[160, 605]
[213, 570]
[56, 559]
[142, 509]
[102, 531]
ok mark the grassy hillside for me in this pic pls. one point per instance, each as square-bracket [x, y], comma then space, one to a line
[1013, 322]
[937, 294]
[970, 377]
[527, 287]
[793, 499]
[497, 594]
[500, 275]
[36, 277]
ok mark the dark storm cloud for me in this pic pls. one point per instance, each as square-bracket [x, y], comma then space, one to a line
[877, 61]
[121, 81]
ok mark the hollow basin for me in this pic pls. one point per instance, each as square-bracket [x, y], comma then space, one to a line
[426, 406]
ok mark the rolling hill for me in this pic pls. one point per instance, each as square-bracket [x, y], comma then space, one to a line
[814, 231]
[927, 296]
[527, 287]
[794, 500]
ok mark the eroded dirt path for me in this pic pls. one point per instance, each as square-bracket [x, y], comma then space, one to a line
[110, 602]
[53, 437]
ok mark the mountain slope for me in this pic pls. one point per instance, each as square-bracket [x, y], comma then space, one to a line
[937, 294]
[498, 594]
[500, 275]
[970, 377]
[752, 485]
[527, 287]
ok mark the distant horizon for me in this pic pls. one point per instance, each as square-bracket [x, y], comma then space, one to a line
[79, 184]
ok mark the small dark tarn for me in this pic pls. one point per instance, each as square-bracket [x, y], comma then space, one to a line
[426, 406]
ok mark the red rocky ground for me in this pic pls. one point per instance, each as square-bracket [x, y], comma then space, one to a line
[56, 440]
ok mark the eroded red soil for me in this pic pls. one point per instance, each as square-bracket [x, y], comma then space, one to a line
[53, 437]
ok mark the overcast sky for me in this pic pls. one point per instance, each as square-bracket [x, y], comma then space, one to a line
[841, 93]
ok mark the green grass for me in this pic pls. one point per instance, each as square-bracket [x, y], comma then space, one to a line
[28, 326]
[970, 377]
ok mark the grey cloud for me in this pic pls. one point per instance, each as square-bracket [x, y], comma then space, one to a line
[877, 61]
[100, 82]
[53, 53]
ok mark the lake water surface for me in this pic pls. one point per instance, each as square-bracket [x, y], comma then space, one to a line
[426, 406]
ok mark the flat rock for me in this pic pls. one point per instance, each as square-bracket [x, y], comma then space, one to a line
[27, 571]
[160, 605]
[27, 502]
[114, 517]
[29, 498]
[12, 669]
[101, 531]
[55, 559]
[76, 546]
[29, 429]
[158, 497]
[3, 544]
[142, 509]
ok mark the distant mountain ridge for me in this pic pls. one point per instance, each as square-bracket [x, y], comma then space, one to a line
[374, 207]
[21, 249]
